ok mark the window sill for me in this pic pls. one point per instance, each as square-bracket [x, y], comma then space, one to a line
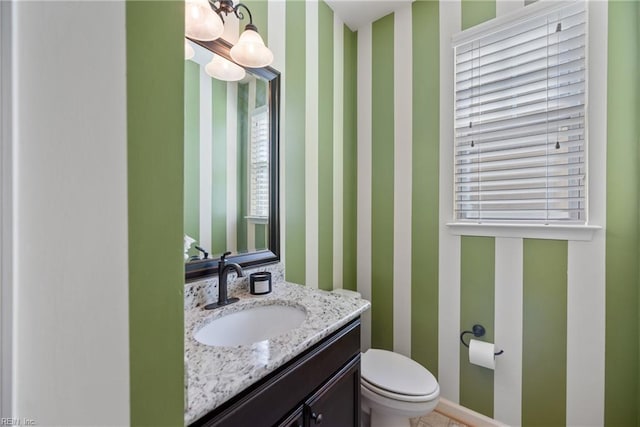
[531, 231]
[257, 219]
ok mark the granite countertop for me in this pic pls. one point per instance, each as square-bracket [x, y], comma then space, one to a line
[215, 374]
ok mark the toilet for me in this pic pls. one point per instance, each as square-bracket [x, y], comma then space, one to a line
[394, 389]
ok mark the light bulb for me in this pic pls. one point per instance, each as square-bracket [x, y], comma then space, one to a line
[188, 50]
[250, 50]
[221, 69]
[201, 22]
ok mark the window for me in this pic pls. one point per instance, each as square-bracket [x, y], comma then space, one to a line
[520, 108]
[259, 164]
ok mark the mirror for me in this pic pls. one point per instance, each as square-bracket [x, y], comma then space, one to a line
[231, 164]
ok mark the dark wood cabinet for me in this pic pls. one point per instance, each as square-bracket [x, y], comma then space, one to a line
[319, 387]
[337, 403]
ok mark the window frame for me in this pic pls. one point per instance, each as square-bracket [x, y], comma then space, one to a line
[252, 214]
[553, 230]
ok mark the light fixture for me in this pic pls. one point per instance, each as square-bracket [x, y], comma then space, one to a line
[250, 51]
[201, 22]
[188, 50]
[221, 69]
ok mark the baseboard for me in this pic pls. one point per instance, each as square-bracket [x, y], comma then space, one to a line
[465, 415]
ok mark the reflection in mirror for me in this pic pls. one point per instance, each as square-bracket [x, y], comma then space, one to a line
[230, 169]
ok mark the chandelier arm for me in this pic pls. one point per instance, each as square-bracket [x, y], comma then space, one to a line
[220, 10]
[240, 15]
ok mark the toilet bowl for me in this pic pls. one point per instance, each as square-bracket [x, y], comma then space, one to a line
[395, 389]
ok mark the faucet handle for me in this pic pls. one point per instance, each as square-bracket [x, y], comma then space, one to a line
[223, 260]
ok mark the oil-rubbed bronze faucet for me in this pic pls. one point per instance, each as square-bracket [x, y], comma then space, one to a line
[223, 271]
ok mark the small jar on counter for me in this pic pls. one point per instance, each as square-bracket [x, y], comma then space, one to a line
[260, 283]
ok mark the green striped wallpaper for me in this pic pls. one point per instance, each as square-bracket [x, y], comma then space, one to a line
[219, 166]
[192, 150]
[241, 166]
[294, 110]
[476, 12]
[382, 186]
[325, 147]
[425, 157]
[623, 175]
[544, 332]
[155, 121]
[350, 158]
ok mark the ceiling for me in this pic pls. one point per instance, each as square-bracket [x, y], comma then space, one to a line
[356, 13]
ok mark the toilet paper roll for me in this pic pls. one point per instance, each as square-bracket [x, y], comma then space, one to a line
[482, 353]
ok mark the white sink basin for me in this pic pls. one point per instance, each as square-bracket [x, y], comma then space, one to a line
[250, 325]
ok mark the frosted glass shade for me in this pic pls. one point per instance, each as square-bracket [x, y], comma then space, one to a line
[221, 69]
[201, 22]
[250, 50]
[188, 50]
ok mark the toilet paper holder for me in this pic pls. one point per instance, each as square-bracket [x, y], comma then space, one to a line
[477, 331]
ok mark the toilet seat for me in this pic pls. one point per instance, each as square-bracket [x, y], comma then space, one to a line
[399, 397]
[397, 377]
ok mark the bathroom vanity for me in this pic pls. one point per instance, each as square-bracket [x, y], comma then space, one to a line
[306, 376]
[320, 386]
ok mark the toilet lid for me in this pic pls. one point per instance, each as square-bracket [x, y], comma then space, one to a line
[397, 373]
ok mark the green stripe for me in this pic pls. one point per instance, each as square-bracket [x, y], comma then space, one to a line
[219, 166]
[350, 161]
[477, 292]
[192, 151]
[261, 236]
[622, 254]
[155, 155]
[325, 146]
[295, 136]
[382, 184]
[544, 346]
[261, 93]
[243, 142]
[476, 12]
[425, 179]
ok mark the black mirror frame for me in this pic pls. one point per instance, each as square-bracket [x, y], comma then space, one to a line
[209, 267]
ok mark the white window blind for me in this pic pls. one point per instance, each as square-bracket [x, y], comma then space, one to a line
[520, 107]
[259, 161]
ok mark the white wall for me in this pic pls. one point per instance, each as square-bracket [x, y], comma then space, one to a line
[71, 251]
[6, 224]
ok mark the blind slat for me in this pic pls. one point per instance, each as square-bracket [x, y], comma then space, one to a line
[528, 124]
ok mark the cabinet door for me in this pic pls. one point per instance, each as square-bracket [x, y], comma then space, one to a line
[337, 403]
[294, 420]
